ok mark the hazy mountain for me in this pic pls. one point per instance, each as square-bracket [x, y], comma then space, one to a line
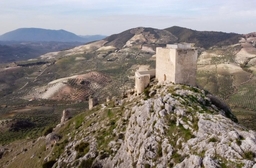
[26, 43]
[89, 38]
[15, 51]
[38, 34]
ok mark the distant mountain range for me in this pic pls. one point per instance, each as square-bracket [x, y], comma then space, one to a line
[15, 51]
[26, 43]
[46, 35]
[40, 41]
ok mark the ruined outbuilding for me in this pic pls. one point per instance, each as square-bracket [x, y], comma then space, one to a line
[142, 78]
[176, 63]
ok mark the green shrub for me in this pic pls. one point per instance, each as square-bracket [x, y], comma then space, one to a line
[213, 139]
[146, 92]
[78, 122]
[147, 165]
[47, 130]
[49, 164]
[82, 149]
[104, 155]
[238, 142]
[86, 163]
[249, 155]
[159, 151]
[121, 136]
[110, 113]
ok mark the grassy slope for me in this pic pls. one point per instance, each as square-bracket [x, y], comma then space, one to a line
[80, 123]
[105, 125]
[67, 66]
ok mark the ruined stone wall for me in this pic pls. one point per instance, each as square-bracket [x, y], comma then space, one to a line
[92, 102]
[151, 72]
[165, 64]
[141, 81]
[65, 116]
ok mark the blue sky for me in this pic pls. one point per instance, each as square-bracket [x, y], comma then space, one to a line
[87, 17]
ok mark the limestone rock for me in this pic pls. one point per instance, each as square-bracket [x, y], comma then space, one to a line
[179, 126]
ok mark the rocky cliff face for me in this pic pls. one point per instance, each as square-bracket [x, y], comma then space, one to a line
[169, 126]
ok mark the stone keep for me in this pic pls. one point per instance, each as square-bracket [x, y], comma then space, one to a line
[176, 63]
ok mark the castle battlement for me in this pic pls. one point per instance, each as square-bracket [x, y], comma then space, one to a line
[180, 46]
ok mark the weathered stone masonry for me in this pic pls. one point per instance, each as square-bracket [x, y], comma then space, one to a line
[175, 63]
[142, 79]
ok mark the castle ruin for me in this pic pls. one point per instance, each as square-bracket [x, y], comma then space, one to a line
[175, 63]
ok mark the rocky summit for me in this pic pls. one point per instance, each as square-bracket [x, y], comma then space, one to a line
[166, 126]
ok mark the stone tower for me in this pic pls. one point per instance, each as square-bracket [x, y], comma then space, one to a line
[92, 102]
[65, 116]
[176, 63]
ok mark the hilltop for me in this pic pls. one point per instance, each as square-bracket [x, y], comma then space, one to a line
[167, 126]
[36, 91]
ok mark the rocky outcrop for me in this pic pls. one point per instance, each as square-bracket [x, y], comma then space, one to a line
[166, 126]
[177, 126]
[51, 139]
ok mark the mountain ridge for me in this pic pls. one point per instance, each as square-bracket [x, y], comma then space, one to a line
[42, 35]
[204, 39]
